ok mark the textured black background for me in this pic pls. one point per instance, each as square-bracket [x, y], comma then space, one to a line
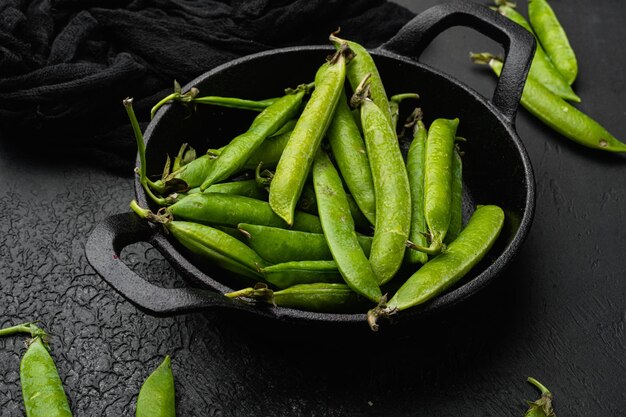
[559, 313]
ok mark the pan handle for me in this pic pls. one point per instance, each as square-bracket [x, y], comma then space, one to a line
[103, 249]
[519, 44]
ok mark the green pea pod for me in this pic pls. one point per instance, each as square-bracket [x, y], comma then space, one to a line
[391, 187]
[230, 210]
[415, 169]
[553, 39]
[277, 245]
[361, 65]
[349, 151]
[559, 114]
[286, 274]
[156, 397]
[42, 388]
[454, 262]
[542, 69]
[246, 188]
[339, 230]
[456, 202]
[543, 406]
[210, 243]
[234, 155]
[319, 297]
[438, 180]
[293, 168]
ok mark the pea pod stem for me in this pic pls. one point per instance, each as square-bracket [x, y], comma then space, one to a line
[141, 148]
[557, 113]
[543, 406]
[29, 328]
[394, 105]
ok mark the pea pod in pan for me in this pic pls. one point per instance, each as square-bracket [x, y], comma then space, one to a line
[319, 297]
[246, 188]
[42, 389]
[278, 245]
[156, 396]
[559, 114]
[308, 204]
[541, 69]
[339, 230]
[209, 243]
[438, 181]
[456, 201]
[349, 151]
[294, 165]
[234, 155]
[415, 170]
[391, 187]
[230, 210]
[447, 268]
[553, 39]
[287, 274]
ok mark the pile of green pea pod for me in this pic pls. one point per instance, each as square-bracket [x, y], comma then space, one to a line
[552, 72]
[42, 389]
[303, 226]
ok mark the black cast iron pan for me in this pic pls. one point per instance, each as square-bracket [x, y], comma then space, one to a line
[496, 167]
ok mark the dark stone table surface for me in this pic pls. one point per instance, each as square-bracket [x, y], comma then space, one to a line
[558, 313]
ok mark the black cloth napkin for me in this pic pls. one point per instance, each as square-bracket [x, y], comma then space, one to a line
[65, 65]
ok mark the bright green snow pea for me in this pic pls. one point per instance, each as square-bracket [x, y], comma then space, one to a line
[294, 165]
[541, 68]
[42, 389]
[286, 274]
[391, 187]
[339, 230]
[415, 169]
[559, 114]
[553, 39]
[349, 151]
[230, 210]
[156, 396]
[456, 202]
[278, 245]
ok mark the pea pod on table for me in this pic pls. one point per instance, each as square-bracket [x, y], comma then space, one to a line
[559, 114]
[42, 389]
[541, 69]
[156, 397]
[391, 187]
[553, 39]
[447, 268]
[295, 162]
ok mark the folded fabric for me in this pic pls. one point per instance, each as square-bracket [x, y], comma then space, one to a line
[66, 64]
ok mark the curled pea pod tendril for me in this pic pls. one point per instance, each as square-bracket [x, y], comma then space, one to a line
[394, 106]
[42, 389]
[557, 113]
[156, 396]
